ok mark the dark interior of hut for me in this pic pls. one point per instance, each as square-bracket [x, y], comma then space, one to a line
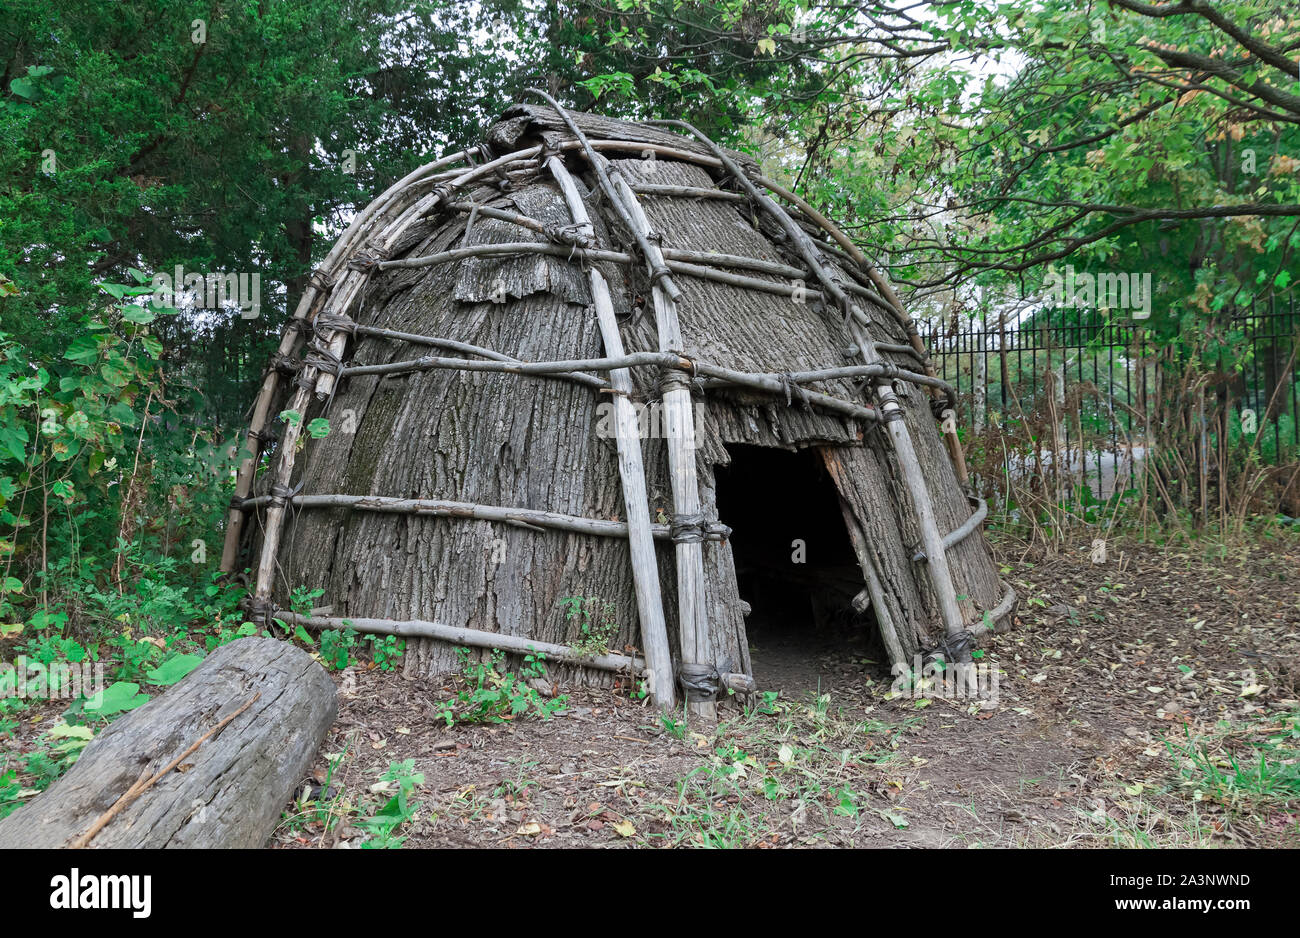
[795, 567]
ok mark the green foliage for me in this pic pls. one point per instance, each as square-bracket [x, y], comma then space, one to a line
[174, 670]
[946, 136]
[1242, 769]
[956, 158]
[399, 809]
[8, 706]
[64, 443]
[332, 805]
[491, 694]
[339, 646]
[134, 141]
[327, 807]
[12, 792]
[118, 697]
[55, 752]
[336, 647]
[768, 703]
[302, 599]
[708, 811]
[674, 727]
[385, 650]
[597, 621]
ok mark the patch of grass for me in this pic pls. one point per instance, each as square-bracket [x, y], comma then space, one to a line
[327, 808]
[1232, 780]
[517, 788]
[1245, 768]
[331, 807]
[784, 770]
[1144, 824]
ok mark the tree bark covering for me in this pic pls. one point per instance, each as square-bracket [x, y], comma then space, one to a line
[531, 442]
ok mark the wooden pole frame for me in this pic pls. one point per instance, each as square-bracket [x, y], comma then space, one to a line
[679, 420]
[334, 289]
[349, 289]
[645, 566]
[890, 410]
[340, 301]
[306, 308]
[692, 600]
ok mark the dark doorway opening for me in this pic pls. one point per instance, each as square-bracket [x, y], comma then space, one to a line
[795, 567]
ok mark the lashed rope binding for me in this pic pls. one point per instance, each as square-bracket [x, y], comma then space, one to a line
[659, 273]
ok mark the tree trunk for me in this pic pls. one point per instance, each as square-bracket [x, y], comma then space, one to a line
[227, 792]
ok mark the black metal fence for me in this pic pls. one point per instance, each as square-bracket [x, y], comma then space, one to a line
[1088, 397]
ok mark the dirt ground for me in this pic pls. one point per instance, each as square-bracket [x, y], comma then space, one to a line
[1131, 705]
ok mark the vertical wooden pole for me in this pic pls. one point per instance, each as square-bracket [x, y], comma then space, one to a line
[909, 466]
[690, 557]
[645, 569]
[679, 419]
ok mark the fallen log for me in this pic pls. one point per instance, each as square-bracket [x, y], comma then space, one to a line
[209, 763]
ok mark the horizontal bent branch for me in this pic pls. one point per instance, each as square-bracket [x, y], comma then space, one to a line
[468, 349]
[957, 535]
[992, 617]
[498, 641]
[780, 384]
[532, 518]
[697, 264]
[457, 635]
[687, 192]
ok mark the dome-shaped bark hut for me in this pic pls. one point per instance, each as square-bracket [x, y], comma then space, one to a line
[609, 368]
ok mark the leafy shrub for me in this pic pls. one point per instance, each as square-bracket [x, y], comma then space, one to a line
[338, 647]
[597, 621]
[492, 694]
